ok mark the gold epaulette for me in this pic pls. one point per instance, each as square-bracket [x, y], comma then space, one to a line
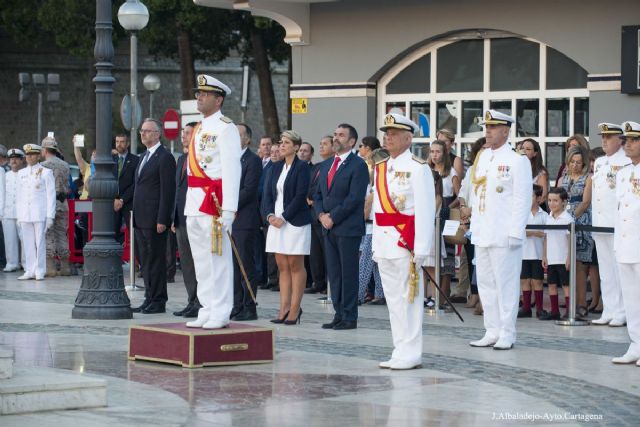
[383, 160]
[226, 119]
[419, 159]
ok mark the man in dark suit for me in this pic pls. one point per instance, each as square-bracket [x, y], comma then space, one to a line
[245, 231]
[124, 169]
[317, 260]
[153, 205]
[264, 152]
[269, 261]
[180, 229]
[305, 153]
[339, 203]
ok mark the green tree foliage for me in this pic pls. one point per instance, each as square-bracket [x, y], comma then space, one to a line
[69, 23]
[210, 32]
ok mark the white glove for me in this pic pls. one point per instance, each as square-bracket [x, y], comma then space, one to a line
[514, 242]
[226, 219]
[419, 260]
[48, 224]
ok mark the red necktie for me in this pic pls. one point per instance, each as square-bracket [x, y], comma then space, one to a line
[332, 171]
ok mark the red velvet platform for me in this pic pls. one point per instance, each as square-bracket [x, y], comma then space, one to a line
[174, 343]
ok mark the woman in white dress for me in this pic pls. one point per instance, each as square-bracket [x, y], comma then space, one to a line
[289, 233]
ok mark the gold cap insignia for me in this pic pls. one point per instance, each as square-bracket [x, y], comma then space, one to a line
[627, 127]
[487, 115]
[202, 80]
[389, 120]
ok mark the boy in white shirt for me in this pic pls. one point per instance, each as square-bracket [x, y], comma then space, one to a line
[556, 252]
[532, 272]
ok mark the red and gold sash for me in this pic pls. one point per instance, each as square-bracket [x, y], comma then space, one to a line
[391, 217]
[198, 179]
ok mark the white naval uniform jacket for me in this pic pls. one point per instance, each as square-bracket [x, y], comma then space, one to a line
[10, 194]
[627, 223]
[218, 151]
[603, 200]
[504, 210]
[410, 185]
[36, 200]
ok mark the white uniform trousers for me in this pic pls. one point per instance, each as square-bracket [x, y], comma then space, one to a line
[35, 248]
[630, 284]
[12, 243]
[405, 318]
[613, 307]
[498, 274]
[214, 273]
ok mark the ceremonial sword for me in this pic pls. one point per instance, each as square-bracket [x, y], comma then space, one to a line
[236, 253]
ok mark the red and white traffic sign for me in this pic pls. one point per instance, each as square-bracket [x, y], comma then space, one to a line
[171, 124]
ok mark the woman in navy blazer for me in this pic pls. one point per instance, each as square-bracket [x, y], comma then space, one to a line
[289, 235]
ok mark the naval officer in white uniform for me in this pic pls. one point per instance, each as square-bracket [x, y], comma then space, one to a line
[12, 240]
[35, 210]
[603, 200]
[625, 239]
[214, 168]
[404, 212]
[501, 180]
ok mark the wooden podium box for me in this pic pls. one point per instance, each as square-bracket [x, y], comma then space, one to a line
[174, 343]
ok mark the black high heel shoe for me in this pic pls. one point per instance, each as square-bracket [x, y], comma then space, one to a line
[283, 320]
[293, 322]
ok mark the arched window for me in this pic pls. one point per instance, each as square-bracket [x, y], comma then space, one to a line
[449, 84]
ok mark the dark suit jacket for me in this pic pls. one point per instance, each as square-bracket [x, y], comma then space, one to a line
[155, 192]
[248, 216]
[266, 174]
[127, 179]
[345, 200]
[296, 185]
[313, 186]
[179, 219]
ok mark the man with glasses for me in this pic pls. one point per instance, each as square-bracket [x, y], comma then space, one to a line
[153, 201]
[214, 184]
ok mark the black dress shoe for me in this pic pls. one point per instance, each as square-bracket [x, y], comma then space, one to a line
[142, 306]
[331, 325]
[345, 324]
[378, 301]
[265, 286]
[275, 288]
[181, 312]
[193, 312]
[171, 280]
[235, 311]
[522, 313]
[545, 315]
[458, 299]
[312, 290]
[154, 308]
[247, 313]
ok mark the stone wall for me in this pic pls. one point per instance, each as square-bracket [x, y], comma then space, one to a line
[75, 110]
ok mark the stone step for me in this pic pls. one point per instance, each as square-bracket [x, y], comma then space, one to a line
[37, 389]
[6, 362]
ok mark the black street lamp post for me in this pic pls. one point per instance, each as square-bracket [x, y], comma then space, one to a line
[102, 294]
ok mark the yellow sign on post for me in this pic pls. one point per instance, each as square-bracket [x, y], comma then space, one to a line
[299, 105]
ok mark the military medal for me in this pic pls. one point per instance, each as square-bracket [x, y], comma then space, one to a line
[635, 184]
[499, 189]
[208, 159]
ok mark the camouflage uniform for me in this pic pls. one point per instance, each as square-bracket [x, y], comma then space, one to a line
[57, 240]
